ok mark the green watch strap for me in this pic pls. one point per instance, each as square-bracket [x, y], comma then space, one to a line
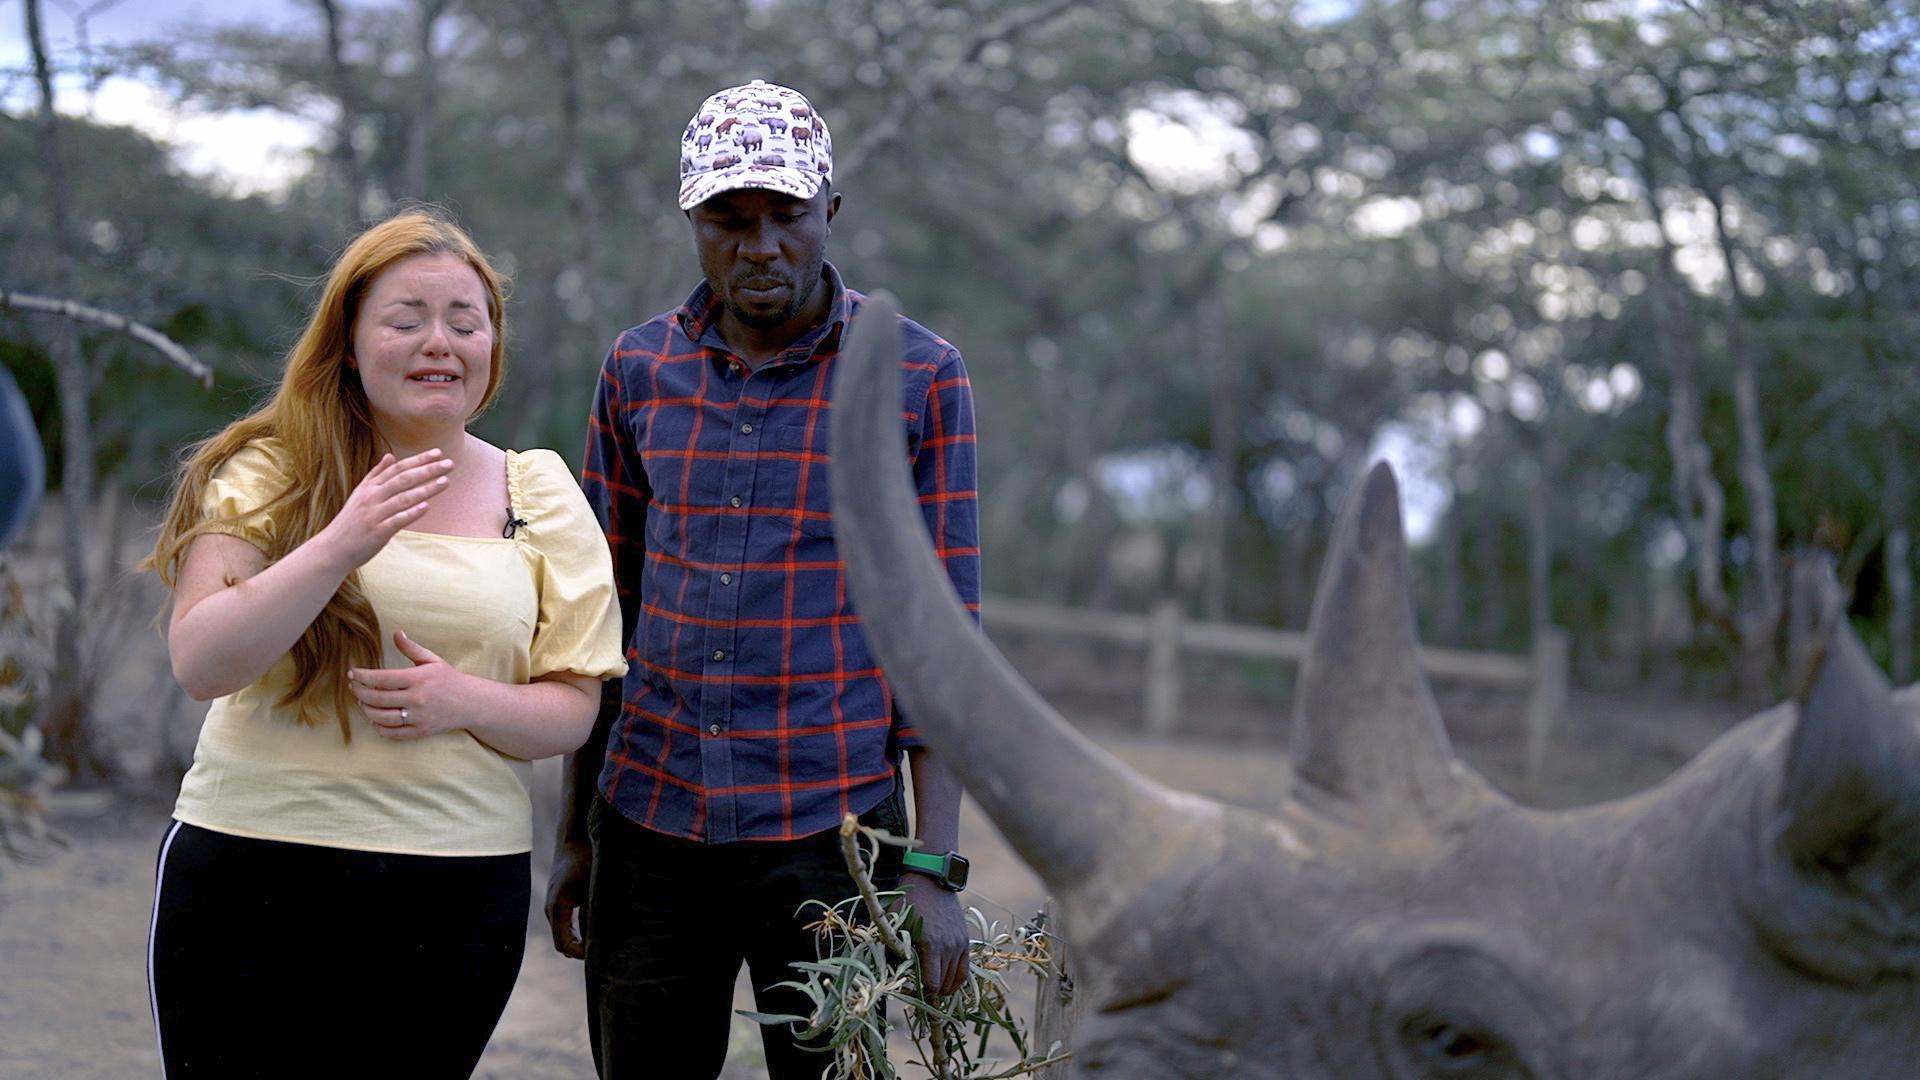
[949, 869]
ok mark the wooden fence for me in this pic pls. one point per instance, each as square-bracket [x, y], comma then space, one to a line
[1166, 633]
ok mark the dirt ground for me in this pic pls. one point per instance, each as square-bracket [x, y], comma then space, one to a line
[73, 1002]
[73, 929]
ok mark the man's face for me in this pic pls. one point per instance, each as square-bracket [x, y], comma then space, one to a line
[762, 251]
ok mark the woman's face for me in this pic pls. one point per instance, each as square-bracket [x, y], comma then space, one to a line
[423, 342]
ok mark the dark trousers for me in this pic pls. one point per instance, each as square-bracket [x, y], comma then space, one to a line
[668, 924]
[280, 960]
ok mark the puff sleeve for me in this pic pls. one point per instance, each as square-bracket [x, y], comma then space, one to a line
[238, 490]
[578, 629]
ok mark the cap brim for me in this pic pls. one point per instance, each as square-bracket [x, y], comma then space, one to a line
[798, 183]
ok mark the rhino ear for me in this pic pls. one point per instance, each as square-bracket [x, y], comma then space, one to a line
[1852, 781]
[1844, 899]
[1366, 729]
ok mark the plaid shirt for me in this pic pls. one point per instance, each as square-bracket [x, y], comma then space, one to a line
[752, 708]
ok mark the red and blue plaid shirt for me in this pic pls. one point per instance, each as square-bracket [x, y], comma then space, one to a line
[752, 708]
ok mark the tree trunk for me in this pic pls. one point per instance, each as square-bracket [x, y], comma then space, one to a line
[574, 179]
[578, 271]
[1224, 467]
[1493, 593]
[345, 155]
[1886, 408]
[1079, 558]
[1701, 500]
[1297, 573]
[1539, 551]
[1093, 579]
[1449, 597]
[416, 174]
[1761, 605]
[1697, 494]
[69, 698]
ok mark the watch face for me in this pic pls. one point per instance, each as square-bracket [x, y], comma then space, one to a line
[957, 870]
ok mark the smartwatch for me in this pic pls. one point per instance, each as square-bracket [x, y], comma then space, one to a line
[948, 870]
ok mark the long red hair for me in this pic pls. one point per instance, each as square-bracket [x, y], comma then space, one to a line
[319, 417]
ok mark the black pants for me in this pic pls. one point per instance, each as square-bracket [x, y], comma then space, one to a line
[271, 959]
[669, 922]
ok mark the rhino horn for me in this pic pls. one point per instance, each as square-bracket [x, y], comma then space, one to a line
[1851, 757]
[1367, 734]
[1846, 822]
[1076, 814]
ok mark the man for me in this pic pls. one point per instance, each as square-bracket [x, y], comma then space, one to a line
[704, 811]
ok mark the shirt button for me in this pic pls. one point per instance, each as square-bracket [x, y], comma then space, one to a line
[734, 502]
[714, 730]
[719, 654]
[726, 579]
[746, 429]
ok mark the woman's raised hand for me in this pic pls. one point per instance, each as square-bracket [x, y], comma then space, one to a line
[391, 497]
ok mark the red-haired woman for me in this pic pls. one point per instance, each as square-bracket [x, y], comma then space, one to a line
[391, 618]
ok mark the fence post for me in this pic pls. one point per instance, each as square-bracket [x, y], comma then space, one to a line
[1056, 1007]
[1546, 699]
[1163, 668]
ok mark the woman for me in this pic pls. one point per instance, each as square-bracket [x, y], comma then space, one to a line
[391, 617]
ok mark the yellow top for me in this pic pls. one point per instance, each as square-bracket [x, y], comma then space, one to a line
[509, 610]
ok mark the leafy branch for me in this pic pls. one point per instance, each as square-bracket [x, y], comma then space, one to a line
[865, 961]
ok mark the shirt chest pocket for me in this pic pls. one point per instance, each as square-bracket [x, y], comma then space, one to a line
[793, 477]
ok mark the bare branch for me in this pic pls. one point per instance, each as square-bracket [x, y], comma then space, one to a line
[850, 830]
[141, 332]
[918, 92]
[82, 16]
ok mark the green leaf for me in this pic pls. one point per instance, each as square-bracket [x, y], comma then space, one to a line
[772, 1018]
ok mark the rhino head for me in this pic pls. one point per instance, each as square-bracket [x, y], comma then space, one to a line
[1756, 916]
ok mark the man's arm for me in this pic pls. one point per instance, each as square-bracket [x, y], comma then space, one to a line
[942, 940]
[616, 488]
[572, 850]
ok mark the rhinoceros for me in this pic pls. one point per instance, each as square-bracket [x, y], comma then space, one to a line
[1756, 916]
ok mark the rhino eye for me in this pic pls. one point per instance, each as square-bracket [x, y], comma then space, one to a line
[1451, 1050]
[1452, 1043]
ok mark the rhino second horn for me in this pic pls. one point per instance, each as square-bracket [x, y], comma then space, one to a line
[1851, 758]
[1843, 901]
[1077, 815]
[1367, 736]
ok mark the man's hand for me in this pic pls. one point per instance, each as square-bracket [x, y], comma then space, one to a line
[940, 933]
[567, 895]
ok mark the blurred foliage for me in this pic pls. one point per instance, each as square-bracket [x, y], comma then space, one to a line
[1204, 257]
[25, 775]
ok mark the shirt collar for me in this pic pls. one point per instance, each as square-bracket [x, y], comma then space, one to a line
[699, 319]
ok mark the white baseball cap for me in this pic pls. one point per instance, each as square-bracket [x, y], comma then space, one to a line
[754, 136]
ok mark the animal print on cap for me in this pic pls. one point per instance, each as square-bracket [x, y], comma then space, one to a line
[754, 136]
